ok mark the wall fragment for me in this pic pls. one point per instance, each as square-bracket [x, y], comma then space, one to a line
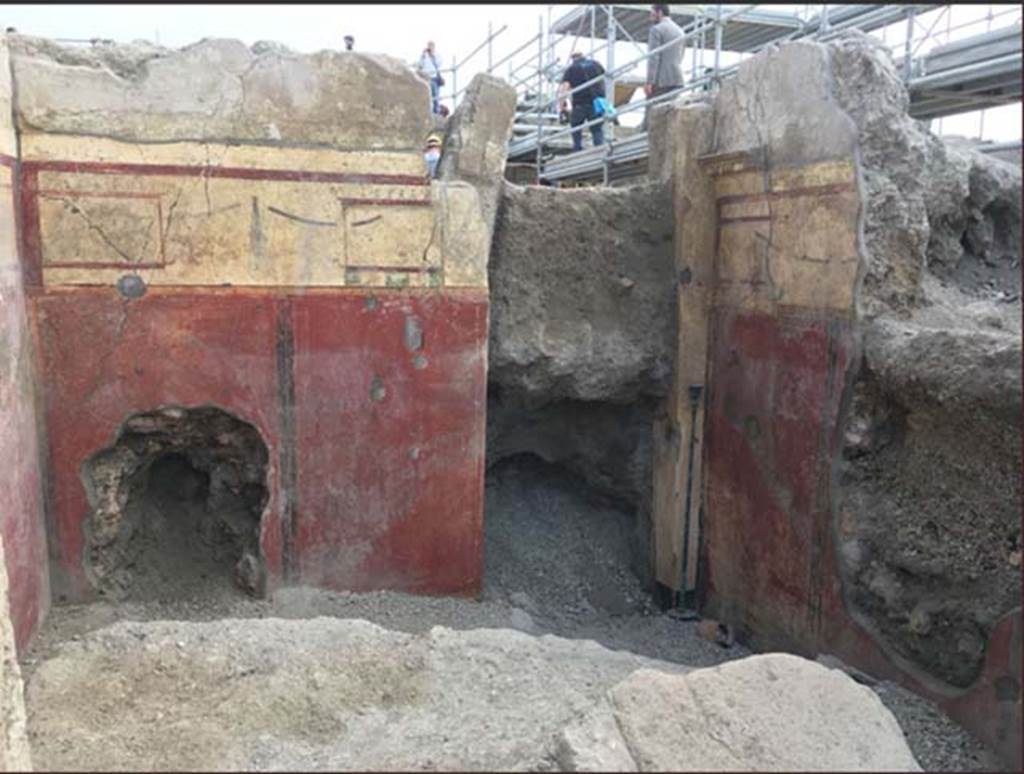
[250, 230]
[21, 511]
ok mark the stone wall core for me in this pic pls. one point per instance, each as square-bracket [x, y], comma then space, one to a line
[176, 506]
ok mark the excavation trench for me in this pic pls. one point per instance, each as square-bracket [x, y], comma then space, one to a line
[175, 507]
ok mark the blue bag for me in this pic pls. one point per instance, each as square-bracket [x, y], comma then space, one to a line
[603, 107]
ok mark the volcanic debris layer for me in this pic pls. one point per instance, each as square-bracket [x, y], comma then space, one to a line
[929, 525]
[582, 331]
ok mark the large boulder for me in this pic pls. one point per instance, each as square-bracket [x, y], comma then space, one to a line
[772, 712]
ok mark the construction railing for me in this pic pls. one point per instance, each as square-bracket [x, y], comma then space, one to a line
[716, 39]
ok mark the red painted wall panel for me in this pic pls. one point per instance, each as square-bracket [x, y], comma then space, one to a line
[776, 389]
[769, 545]
[21, 508]
[364, 493]
[105, 358]
[390, 399]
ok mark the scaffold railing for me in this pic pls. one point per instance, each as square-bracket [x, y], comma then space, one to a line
[945, 72]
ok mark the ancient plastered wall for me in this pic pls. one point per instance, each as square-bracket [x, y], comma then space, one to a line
[312, 282]
[14, 751]
[21, 518]
[778, 167]
[186, 214]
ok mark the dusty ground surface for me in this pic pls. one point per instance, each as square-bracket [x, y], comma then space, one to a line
[323, 693]
[555, 564]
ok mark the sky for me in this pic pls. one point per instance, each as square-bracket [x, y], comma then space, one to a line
[402, 31]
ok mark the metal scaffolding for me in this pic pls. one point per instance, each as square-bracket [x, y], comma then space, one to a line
[952, 76]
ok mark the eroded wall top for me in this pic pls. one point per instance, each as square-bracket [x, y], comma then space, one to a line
[8, 144]
[220, 90]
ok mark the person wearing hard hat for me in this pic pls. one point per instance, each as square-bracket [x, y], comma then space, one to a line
[432, 154]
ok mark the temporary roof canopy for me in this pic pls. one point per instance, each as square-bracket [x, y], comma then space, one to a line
[743, 32]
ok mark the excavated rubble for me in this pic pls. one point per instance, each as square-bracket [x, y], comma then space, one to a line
[930, 478]
[328, 694]
[581, 343]
[176, 502]
[583, 315]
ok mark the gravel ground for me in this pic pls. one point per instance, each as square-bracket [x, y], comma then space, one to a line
[937, 742]
[555, 563]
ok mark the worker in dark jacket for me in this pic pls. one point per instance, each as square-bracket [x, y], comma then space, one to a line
[581, 70]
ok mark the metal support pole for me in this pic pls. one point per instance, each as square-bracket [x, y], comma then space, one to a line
[908, 47]
[981, 119]
[693, 57]
[550, 58]
[540, 88]
[490, 47]
[593, 29]
[454, 89]
[609, 83]
[694, 392]
[718, 40]
[703, 46]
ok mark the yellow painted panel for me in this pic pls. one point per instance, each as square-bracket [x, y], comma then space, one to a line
[748, 208]
[748, 181]
[739, 183]
[391, 236]
[465, 235]
[805, 255]
[175, 229]
[816, 227]
[300, 233]
[100, 230]
[743, 252]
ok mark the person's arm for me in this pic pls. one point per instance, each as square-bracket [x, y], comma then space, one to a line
[563, 88]
[653, 41]
[598, 88]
